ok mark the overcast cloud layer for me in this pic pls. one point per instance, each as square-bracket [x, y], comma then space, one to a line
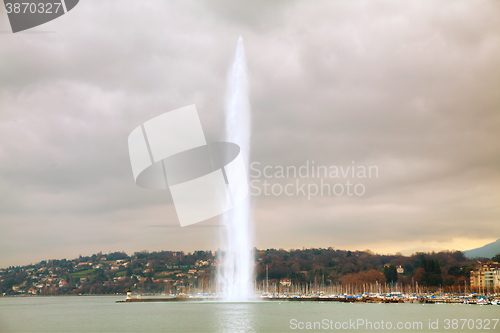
[410, 87]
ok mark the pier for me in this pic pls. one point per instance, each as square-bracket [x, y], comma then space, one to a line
[341, 299]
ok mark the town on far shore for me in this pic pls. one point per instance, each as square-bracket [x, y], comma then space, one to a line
[277, 271]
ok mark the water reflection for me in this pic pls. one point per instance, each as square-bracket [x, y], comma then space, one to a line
[235, 317]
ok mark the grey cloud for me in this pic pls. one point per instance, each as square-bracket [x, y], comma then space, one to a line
[408, 86]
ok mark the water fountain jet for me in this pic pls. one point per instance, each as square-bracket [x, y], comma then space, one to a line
[235, 273]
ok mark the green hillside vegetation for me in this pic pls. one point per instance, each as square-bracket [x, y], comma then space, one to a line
[168, 271]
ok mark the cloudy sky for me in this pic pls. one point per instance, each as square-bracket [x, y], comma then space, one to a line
[410, 87]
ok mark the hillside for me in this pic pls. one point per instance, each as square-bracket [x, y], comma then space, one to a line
[487, 251]
[168, 271]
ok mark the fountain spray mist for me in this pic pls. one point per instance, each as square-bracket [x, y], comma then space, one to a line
[235, 275]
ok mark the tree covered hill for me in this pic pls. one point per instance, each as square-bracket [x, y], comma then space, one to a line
[169, 271]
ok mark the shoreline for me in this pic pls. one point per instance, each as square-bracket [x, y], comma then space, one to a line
[373, 300]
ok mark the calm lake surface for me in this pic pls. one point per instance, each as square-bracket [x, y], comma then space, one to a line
[102, 314]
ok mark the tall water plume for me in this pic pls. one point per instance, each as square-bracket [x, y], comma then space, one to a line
[235, 275]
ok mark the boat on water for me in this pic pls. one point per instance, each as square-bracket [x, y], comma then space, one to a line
[482, 301]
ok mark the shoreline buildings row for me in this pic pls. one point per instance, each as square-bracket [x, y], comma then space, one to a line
[486, 276]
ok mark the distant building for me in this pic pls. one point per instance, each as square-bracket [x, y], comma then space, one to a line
[200, 263]
[81, 264]
[485, 275]
[399, 269]
[285, 282]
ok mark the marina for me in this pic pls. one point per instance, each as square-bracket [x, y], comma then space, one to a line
[475, 299]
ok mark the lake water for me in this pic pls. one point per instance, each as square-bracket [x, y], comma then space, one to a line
[102, 314]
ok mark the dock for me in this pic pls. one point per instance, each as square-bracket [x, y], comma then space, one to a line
[301, 299]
